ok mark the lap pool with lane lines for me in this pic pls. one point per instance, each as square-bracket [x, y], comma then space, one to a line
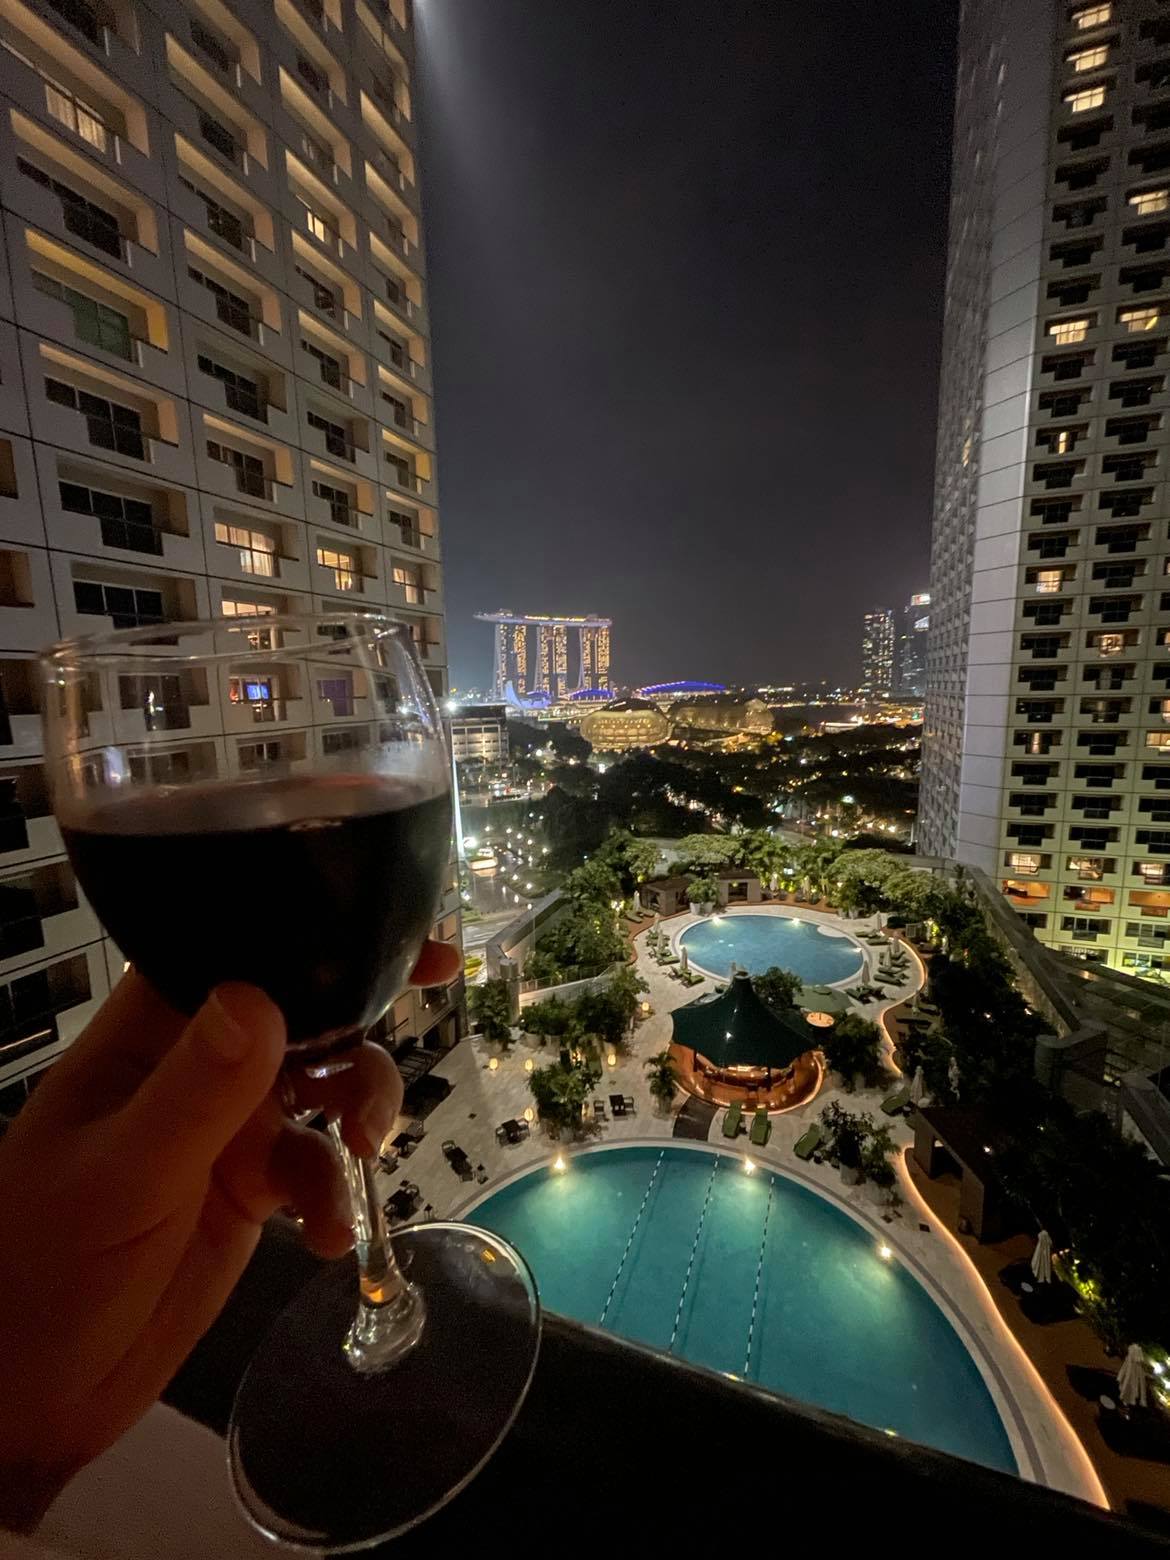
[754, 1275]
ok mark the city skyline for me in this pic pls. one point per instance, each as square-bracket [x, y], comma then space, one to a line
[683, 428]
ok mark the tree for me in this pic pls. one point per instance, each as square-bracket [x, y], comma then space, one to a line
[550, 1019]
[561, 1089]
[631, 860]
[703, 890]
[762, 853]
[491, 1009]
[593, 886]
[853, 1048]
[663, 1077]
[877, 1151]
[699, 851]
[602, 1015]
[583, 943]
[778, 988]
[626, 988]
[846, 1134]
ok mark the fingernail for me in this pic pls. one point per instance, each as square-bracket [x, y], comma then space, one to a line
[229, 1040]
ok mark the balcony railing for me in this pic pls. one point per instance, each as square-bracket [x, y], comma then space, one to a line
[131, 535]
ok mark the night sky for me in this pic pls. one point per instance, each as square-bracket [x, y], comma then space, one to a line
[686, 266]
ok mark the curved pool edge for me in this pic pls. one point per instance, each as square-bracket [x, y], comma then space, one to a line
[823, 921]
[1028, 1456]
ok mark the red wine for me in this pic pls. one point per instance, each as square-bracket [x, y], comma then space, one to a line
[319, 891]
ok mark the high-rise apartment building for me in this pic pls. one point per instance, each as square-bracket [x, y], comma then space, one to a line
[215, 397]
[1047, 741]
[910, 647]
[878, 641]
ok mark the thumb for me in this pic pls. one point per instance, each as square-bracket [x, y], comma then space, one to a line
[201, 1093]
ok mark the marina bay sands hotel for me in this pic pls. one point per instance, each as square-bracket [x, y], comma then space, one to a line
[548, 671]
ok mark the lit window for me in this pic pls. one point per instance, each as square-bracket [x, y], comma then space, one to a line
[1066, 332]
[76, 116]
[1089, 59]
[1091, 16]
[1085, 98]
[966, 456]
[1138, 319]
[409, 581]
[343, 565]
[262, 638]
[1111, 644]
[1048, 581]
[1152, 871]
[1158, 739]
[257, 551]
[1062, 443]
[1146, 202]
[1023, 861]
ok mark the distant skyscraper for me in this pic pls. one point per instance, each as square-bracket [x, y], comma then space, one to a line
[1047, 738]
[910, 648]
[877, 653]
[550, 664]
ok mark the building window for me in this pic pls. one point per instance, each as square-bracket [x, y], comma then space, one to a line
[125, 522]
[1048, 581]
[1091, 16]
[1066, 332]
[256, 692]
[343, 741]
[82, 218]
[260, 638]
[94, 323]
[241, 393]
[230, 308]
[343, 565]
[254, 755]
[257, 552]
[327, 366]
[1146, 202]
[1088, 59]
[1084, 98]
[109, 425]
[337, 691]
[409, 581]
[85, 122]
[222, 222]
[336, 441]
[1158, 739]
[340, 507]
[127, 607]
[324, 298]
[1025, 862]
[248, 469]
[1138, 319]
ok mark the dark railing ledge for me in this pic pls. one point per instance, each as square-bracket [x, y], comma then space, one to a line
[672, 1455]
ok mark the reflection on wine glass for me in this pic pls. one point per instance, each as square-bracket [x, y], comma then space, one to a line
[310, 864]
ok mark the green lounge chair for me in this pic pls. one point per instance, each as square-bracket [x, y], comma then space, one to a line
[895, 1103]
[761, 1127]
[807, 1144]
[732, 1119]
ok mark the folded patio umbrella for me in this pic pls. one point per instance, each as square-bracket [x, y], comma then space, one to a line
[1131, 1378]
[1042, 1258]
[917, 1087]
[683, 961]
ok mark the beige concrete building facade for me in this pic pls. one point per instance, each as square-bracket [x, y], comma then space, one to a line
[216, 390]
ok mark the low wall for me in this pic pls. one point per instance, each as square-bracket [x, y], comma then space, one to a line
[516, 941]
[570, 991]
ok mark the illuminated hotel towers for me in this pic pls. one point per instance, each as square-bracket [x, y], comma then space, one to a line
[551, 662]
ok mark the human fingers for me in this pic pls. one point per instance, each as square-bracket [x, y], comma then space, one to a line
[364, 1096]
[307, 1177]
[121, 1044]
[438, 964]
[168, 1136]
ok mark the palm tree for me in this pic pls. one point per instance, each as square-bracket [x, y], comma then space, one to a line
[663, 1078]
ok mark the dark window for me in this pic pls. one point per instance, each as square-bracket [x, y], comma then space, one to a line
[328, 367]
[82, 218]
[110, 426]
[241, 393]
[84, 17]
[219, 136]
[249, 469]
[129, 608]
[338, 500]
[224, 223]
[229, 306]
[323, 297]
[125, 522]
[94, 323]
[336, 441]
[312, 75]
[210, 45]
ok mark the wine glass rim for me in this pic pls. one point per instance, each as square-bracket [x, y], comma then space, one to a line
[118, 644]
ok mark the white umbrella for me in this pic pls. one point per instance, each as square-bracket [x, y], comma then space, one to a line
[953, 1076]
[1131, 1378]
[1042, 1258]
[773, 883]
[917, 1087]
[683, 964]
[637, 902]
[655, 923]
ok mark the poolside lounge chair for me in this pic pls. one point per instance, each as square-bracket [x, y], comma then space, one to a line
[761, 1126]
[732, 1120]
[458, 1160]
[894, 1104]
[809, 1141]
[628, 1102]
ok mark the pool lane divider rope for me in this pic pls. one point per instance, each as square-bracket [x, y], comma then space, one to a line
[630, 1240]
[694, 1250]
[747, 1357]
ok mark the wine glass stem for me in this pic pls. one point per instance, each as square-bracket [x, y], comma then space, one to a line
[390, 1312]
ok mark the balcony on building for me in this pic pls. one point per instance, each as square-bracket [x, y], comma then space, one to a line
[28, 830]
[224, 293]
[43, 1009]
[309, 122]
[42, 915]
[220, 111]
[81, 404]
[266, 549]
[405, 468]
[98, 510]
[261, 697]
[395, 284]
[334, 362]
[393, 158]
[234, 460]
[20, 706]
[104, 595]
[71, 299]
[227, 215]
[318, 213]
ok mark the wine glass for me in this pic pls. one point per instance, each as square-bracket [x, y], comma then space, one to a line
[267, 799]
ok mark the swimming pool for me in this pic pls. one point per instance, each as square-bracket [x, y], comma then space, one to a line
[754, 1275]
[756, 942]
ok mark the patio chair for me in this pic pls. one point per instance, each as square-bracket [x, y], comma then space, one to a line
[761, 1126]
[501, 1135]
[458, 1160]
[522, 1130]
[599, 1110]
[809, 1141]
[628, 1102]
[732, 1120]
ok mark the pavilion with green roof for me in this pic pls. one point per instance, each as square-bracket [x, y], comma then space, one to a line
[733, 1046]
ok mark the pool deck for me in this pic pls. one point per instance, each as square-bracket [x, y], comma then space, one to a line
[1044, 1444]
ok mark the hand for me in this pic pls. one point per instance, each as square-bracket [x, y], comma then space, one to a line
[133, 1187]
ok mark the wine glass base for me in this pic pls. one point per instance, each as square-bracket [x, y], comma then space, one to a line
[331, 1459]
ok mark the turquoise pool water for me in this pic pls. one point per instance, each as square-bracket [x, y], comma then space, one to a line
[751, 1274]
[756, 942]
